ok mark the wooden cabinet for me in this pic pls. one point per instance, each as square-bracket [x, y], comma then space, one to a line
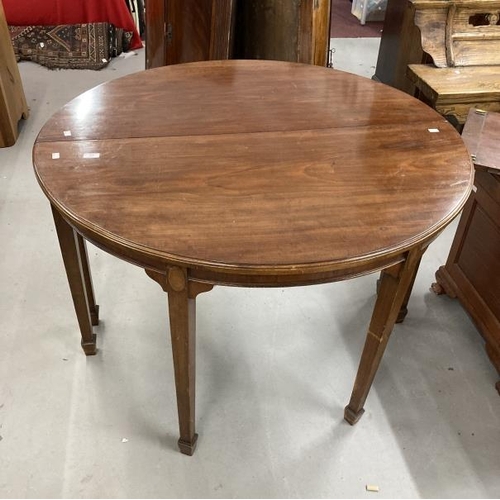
[194, 30]
[472, 271]
[13, 105]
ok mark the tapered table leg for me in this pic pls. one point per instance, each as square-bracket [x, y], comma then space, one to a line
[394, 285]
[72, 257]
[87, 276]
[182, 312]
[403, 311]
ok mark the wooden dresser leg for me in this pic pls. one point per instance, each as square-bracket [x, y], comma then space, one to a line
[444, 283]
[182, 311]
[71, 253]
[394, 289]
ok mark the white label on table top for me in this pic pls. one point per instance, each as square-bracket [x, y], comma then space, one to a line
[56, 156]
[67, 133]
[91, 155]
[433, 130]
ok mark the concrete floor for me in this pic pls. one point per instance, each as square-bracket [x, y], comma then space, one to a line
[275, 369]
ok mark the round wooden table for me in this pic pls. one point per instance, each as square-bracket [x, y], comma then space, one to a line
[250, 173]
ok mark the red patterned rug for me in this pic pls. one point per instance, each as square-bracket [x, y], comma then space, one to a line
[69, 46]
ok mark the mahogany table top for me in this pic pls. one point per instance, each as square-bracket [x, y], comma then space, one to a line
[261, 167]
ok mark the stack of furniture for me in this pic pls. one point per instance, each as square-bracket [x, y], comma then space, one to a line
[13, 105]
[180, 31]
[463, 39]
[472, 271]
[447, 52]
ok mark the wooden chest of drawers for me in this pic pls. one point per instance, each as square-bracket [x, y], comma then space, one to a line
[472, 271]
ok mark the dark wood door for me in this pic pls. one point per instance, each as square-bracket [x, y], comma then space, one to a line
[285, 30]
[196, 30]
[180, 31]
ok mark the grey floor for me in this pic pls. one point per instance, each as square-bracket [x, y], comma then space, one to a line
[275, 369]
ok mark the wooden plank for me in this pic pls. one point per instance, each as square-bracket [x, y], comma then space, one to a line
[469, 84]
[432, 24]
[155, 33]
[13, 104]
[222, 31]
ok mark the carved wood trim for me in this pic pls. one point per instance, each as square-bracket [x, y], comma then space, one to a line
[160, 278]
[197, 287]
[450, 55]
[175, 278]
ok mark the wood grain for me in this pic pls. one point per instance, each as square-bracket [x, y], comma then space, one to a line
[251, 173]
[472, 270]
[463, 40]
[294, 156]
[400, 45]
[76, 267]
[155, 33]
[13, 105]
[180, 31]
[453, 91]
[449, 37]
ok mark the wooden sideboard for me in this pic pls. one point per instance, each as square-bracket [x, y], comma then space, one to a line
[13, 105]
[195, 30]
[472, 271]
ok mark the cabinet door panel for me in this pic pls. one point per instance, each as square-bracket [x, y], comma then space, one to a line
[180, 31]
[196, 30]
[188, 30]
[285, 30]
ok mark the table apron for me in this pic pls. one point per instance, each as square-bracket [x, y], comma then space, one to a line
[240, 277]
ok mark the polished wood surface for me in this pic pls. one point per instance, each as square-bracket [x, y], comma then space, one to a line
[308, 149]
[13, 104]
[472, 271]
[252, 173]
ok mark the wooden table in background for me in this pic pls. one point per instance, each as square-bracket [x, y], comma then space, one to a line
[250, 173]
